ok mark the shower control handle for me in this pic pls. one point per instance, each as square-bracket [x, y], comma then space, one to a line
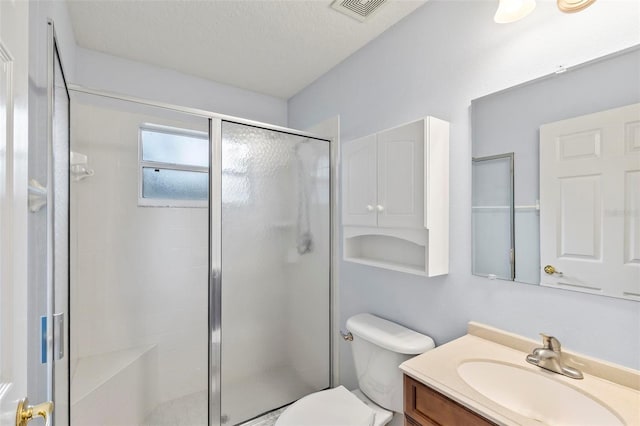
[380, 208]
[369, 208]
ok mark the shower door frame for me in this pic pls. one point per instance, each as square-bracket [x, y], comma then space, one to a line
[215, 234]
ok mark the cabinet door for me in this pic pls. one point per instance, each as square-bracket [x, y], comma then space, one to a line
[401, 176]
[359, 182]
[425, 406]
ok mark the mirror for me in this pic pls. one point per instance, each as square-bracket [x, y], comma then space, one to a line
[588, 221]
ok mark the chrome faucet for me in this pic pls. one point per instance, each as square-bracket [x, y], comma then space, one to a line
[549, 357]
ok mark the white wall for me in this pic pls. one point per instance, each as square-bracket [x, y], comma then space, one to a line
[40, 12]
[435, 62]
[97, 70]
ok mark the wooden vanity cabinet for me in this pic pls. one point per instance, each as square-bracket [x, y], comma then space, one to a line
[424, 406]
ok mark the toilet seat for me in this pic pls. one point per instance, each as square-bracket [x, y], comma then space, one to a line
[333, 407]
[383, 416]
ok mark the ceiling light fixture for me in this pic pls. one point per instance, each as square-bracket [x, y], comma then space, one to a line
[571, 6]
[513, 10]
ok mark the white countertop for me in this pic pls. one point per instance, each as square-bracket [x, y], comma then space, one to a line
[616, 387]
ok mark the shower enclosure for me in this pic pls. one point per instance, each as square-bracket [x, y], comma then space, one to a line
[200, 264]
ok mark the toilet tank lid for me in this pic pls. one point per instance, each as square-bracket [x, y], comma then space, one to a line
[389, 335]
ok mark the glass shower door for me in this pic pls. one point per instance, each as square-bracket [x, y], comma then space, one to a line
[275, 257]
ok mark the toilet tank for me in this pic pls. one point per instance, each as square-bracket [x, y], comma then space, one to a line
[379, 347]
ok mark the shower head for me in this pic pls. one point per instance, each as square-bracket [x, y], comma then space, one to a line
[296, 147]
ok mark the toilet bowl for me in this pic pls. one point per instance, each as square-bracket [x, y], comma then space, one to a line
[379, 347]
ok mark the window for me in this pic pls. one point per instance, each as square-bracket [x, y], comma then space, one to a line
[174, 166]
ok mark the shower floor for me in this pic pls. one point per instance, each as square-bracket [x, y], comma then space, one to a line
[189, 410]
[257, 394]
[268, 419]
[260, 393]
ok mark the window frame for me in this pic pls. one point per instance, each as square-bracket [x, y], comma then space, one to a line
[142, 164]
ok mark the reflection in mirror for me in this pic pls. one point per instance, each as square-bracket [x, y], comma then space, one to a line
[510, 121]
[492, 216]
[589, 202]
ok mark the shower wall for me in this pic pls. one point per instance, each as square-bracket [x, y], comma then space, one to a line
[139, 280]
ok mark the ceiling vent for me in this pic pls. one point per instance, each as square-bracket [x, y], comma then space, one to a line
[357, 9]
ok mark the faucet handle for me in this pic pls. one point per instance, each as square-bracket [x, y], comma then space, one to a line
[550, 342]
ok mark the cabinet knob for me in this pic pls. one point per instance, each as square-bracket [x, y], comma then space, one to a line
[369, 208]
[380, 208]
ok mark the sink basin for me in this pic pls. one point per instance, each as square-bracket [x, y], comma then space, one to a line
[534, 395]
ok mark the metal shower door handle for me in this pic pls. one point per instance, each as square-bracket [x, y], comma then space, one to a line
[58, 336]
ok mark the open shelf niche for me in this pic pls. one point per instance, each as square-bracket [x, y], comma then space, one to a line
[404, 251]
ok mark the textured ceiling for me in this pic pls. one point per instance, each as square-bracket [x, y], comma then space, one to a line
[276, 47]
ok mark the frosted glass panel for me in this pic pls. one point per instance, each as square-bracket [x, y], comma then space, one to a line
[174, 184]
[493, 217]
[175, 147]
[275, 269]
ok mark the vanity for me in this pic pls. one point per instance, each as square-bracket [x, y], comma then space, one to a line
[483, 378]
[425, 406]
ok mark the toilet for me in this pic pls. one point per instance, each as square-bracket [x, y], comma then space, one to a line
[379, 347]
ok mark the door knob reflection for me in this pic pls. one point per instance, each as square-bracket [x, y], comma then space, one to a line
[550, 270]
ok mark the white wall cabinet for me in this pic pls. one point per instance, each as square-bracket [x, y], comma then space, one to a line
[395, 208]
[384, 178]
